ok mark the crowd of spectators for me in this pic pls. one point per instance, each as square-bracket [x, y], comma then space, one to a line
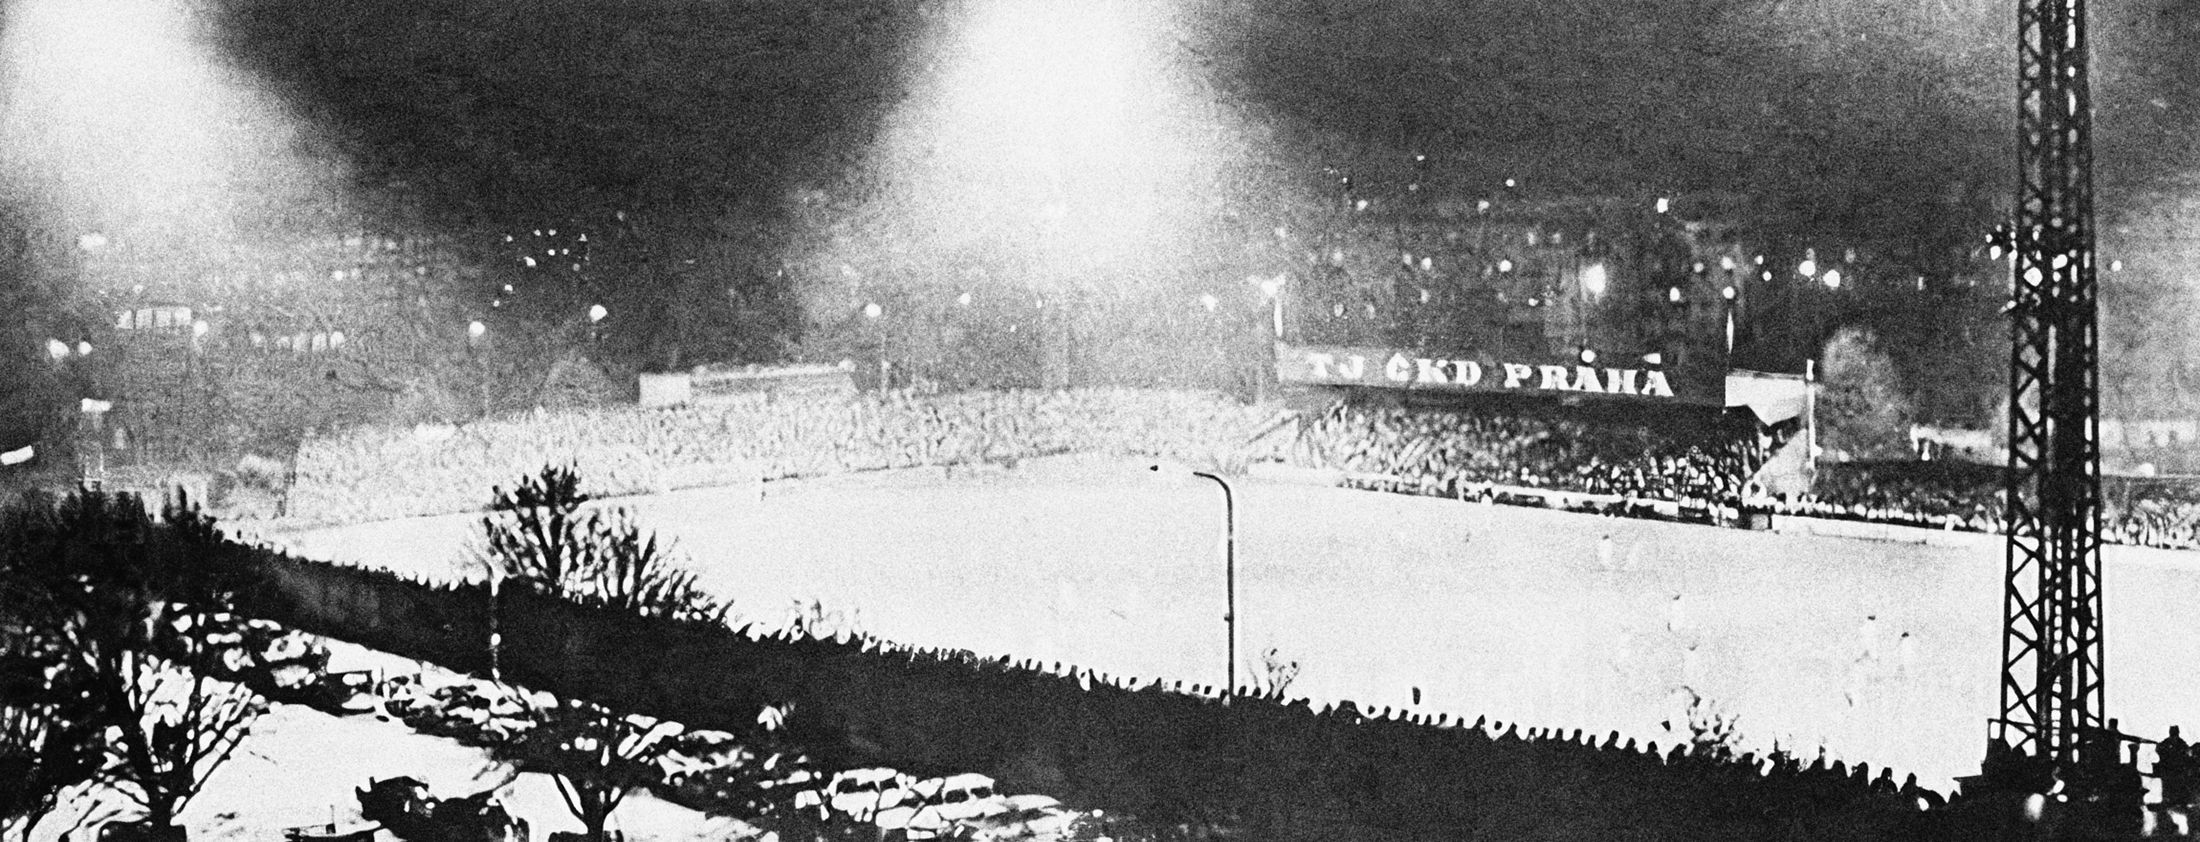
[376, 472]
[2152, 512]
[2142, 511]
[384, 472]
[1456, 452]
[1936, 495]
[1468, 452]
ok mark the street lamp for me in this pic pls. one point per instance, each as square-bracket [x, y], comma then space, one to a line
[1728, 293]
[874, 311]
[1273, 289]
[496, 621]
[1229, 570]
[1593, 280]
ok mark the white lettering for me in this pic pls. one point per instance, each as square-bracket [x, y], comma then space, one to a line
[1516, 372]
[1621, 381]
[1585, 380]
[1554, 377]
[1426, 370]
[1321, 363]
[1468, 372]
[1399, 369]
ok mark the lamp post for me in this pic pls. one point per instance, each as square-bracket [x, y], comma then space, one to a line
[1229, 574]
[872, 312]
[1273, 289]
[476, 334]
[496, 622]
[1728, 293]
[1810, 418]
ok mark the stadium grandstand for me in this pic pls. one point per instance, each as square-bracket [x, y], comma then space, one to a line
[1563, 352]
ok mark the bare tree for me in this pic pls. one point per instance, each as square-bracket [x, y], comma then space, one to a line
[49, 735]
[171, 726]
[595, 754]
[538, 533]
[1866, 412]
[135, 615]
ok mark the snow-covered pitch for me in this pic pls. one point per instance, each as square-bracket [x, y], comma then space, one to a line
[1514, 613]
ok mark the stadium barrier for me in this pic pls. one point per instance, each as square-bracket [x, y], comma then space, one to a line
[1879, 531]
[1275, 769]
[1282, 473]
[704, 384]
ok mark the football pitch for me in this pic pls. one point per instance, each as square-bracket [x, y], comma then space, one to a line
[1523, 615]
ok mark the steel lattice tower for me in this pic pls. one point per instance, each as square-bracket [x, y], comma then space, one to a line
[2051, 692]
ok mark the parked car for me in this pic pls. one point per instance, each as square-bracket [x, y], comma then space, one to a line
[332, 832]
[941, 806]
[696, 751]
[343, 693]
[491, 713]
[404, 807]
[1032, 817]
[798, 787]
[401, 696]
[857, 793]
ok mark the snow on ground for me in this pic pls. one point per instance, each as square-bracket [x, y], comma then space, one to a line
[1484, 610]
[300, 767]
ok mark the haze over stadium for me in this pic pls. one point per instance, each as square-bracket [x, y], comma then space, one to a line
[128, 113]
[1565, 364]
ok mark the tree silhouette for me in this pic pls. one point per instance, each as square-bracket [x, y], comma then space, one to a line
[1863, 410]
[536, 533]
[596, 756]
[128, 618]
[49, 723]
[173, 726]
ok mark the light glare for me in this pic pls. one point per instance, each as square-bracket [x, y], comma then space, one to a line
[127, 115]
[1593, 279]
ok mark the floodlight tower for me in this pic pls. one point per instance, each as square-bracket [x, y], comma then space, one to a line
[2051, 688]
